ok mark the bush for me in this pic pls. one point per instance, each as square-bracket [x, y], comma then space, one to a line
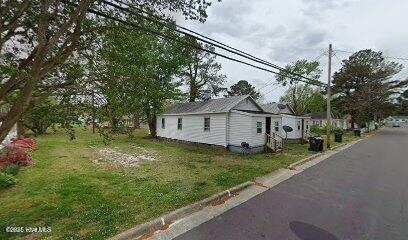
[26, 143]
[11, 169]
[316, 130]
[14, 154]
[6, 180]
[338, 131]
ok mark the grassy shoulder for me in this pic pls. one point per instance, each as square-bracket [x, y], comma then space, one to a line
[65, 190]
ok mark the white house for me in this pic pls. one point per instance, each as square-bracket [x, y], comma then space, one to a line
[300, 124]
[319, 119]
[226, 122]
[396, 120]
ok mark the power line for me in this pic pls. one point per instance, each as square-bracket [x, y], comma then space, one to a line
[320, 56]
[389, 57]
[203, 38]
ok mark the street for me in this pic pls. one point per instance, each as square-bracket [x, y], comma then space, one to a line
[359, 193]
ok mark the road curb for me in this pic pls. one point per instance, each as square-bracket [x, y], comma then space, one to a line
[308, 159]
[165, 220]
[158, 223]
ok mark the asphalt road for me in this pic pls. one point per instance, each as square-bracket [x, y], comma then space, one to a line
[360, 193]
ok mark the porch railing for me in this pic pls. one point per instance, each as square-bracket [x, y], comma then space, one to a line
[274, 142]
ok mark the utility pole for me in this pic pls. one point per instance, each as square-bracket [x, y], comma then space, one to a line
[328, 127]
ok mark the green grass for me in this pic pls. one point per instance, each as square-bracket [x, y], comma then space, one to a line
[78, 199]
[347, 137]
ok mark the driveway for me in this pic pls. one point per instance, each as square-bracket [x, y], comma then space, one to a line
[359, 193]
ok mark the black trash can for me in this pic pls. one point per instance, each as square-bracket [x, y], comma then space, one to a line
[357, 132]
[316, 144]
[338, 137]
[320, 142]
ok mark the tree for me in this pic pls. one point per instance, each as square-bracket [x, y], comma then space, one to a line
[143, 81]
[36, 37]
[298, 98]
[316, 102]
[202, 71]
[299, 93]
[364, 85]
[42, 117]
[242, 87]
[401, 105]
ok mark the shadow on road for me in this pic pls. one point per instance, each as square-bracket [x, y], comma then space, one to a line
[307, 231]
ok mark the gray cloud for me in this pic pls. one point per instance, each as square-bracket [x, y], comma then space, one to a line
[285, 31]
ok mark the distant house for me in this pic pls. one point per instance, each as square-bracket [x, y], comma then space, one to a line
[299, 124]
[319, 119]
[227, 122]
[400, 120]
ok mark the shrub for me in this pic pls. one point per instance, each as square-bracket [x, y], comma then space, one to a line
[316, 130]
[15, 155]
[338, 131]
[6, 180]
[11, 169]
[26, 143]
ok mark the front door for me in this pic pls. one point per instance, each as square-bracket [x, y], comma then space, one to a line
[268, 125]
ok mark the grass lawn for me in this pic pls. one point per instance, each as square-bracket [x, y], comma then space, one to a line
[65, 190]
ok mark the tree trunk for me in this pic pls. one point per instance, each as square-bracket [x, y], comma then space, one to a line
[152, 126]
[136, 122]
[21, 129]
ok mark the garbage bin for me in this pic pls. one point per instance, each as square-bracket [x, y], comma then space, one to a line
[320, 142]
[316, 144]
[357, 132]
[338, 137]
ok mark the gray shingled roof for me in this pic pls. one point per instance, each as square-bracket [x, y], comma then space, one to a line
[273, 108]
[320, 115]
[210, 106]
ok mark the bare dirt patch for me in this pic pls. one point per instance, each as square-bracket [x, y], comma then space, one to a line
[117, 157]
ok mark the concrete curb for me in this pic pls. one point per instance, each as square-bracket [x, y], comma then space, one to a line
[159, 222]
[308, 159]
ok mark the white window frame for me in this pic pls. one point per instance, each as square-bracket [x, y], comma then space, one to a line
[258, 127]
[163, 123]
[207, 128]
[180, 123]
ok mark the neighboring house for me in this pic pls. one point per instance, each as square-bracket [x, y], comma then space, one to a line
[400, 120]
[299, 124]
[319, 119]
[226, 122]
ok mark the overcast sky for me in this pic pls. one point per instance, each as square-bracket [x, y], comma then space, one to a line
[285, 31]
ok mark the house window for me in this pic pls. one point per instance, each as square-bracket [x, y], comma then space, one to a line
[298, 125]
[163, 123]
[276, 126]
[206, 124]
[307, 125]
[179, 123]
[258, 127]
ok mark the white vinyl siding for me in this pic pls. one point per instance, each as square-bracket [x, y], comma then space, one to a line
[247, 104]
[295, 123]
[240, 129]
[193, 128]
[257, 138]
